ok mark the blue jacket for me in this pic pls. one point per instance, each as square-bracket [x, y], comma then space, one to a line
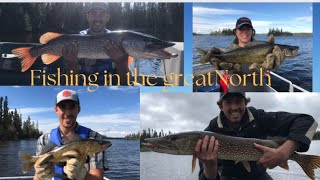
[55, 137]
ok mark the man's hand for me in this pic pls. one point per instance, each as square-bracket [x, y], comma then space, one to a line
[70, 56]
[43, 168]
[274, 59]
[273, 157]
[209, 155]
[74, 168]
[115, 52]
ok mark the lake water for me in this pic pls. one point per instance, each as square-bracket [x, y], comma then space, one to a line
[123, 158]
[157, 166]
[298, 69]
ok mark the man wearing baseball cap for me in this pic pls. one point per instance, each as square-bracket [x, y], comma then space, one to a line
[97, 17]
[244, 36]
[67, 108]
[236, 119]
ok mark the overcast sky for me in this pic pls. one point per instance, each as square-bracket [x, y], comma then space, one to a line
[180, 112]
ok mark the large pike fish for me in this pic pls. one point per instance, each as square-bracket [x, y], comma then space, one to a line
[255, 52]
[230, 148]
[136, 45]
[85, 147]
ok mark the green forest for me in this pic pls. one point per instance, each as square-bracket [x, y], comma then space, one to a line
[26, 22]
[11, 125]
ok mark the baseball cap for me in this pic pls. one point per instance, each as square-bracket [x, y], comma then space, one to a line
[97, 5]
[67, 94]
[224, 95]
[243, 21]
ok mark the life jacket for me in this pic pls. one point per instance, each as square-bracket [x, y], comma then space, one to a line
[55, 137]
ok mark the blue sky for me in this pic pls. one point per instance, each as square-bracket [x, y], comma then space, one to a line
[113, 111]
[293, 17]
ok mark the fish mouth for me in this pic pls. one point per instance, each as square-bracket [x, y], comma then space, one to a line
[159, 54]
[158, 45]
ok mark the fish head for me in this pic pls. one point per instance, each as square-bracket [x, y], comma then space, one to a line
[176, 144]
[143, 46]
[96, 146]
[289, 51]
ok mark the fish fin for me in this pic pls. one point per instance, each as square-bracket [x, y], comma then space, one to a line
[203, 53]
[71, 138]
[271, 39]
[71, 154]
[194, 160]
[24, 54]
[130, 60]
[43, 159]
[284, 165]
[27, 160]
[307, 162]
[48, 147]
[246, 165]
[45, 38]
[49, 58]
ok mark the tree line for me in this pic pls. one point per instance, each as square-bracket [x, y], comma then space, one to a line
[11, 125]
[279, 32]
[151, 133]
[223, 32]
[27, 21]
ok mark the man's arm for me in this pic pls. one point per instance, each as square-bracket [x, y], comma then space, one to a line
[208, 154]
[273, 157]
[94, 174]
[299, 128]
[70, 56]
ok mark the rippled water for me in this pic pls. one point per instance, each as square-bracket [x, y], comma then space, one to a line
[123, 158]
[157, 166]
[298, 69]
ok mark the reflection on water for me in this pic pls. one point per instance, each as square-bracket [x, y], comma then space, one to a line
[157, 166]
[123, 158]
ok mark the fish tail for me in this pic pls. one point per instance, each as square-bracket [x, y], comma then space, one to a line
[194, 160]
[24, 54]
[308, 163]
[203, 53]
[28, 161]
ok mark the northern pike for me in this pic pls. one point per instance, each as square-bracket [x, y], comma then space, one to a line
[136, 45]
[252, 53]
[85, 147]
[230, 148]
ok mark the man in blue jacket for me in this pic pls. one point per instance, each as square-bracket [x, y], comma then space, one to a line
[67, 109]
[236, 119]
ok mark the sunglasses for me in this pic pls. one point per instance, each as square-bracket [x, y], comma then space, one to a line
[69, 105]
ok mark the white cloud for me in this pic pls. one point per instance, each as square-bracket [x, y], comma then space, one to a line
[113, 125]
[215, 11]
[193, 111]
[34, 110]
[304, 19]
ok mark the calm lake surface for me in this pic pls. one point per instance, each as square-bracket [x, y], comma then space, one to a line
[298, 69]
[123, 158]
[157, 166]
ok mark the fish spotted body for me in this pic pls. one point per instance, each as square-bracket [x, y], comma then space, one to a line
[136, 45]
[254, 52]
[230, 148]
[85, 147]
